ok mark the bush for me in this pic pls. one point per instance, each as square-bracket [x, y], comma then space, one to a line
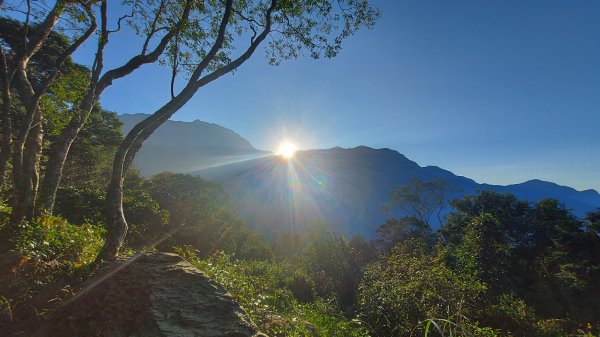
[266, 290]
[80, 205]
[564, 327]
[511, 314]
[52, 244]
[457, 326]
[411, 285]
[333, 263]
[4, 214]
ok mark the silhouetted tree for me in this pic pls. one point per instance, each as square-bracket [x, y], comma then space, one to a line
[420, 200]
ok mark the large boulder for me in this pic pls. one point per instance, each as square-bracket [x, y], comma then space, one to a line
[154, 294]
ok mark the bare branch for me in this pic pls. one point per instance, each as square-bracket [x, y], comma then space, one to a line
[175, 66]
[254, 34]
[119, 22]
[26, 25]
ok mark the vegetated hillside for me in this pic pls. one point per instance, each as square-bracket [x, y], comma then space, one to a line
[187, 146]
[345, 188]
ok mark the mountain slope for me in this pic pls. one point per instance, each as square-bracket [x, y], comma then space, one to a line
[346, 188]
[187, 146]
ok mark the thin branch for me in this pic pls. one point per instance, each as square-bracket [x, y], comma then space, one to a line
[175, 65]
[6, 116]
[216, 46]
[254, 34]
[102, 41]
[144, 129]
[119, 22]
[26, 25]
[67, 52]
[42, 32]
[242, 58]
[138, 60]
[241, 15]
[153, 29]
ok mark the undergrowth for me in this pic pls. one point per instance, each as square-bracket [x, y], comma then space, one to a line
[268, 291]
[53, 246]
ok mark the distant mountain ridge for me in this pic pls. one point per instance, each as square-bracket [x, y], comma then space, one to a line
[345, 188]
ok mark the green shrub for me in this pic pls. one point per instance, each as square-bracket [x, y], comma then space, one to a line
[52, 244]
[411, 285]
[564, 327]
[456, 326]
[265, 290]
[4, 214]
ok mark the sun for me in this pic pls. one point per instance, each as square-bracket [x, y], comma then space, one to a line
[286, 149]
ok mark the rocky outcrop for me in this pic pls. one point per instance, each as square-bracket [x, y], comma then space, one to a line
[155, 294]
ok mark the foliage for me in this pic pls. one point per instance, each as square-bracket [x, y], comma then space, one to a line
[52, 244]
[335, 264]
[79, 205]
[409, 285]
[180, 209]
[4, 213]
[148, 224]
[394, 231]
[264, 289]
[420, 200]
[564, 327]
[90, 158]
[592, 223]
[456, 326]
[191, 200]
[538, 262]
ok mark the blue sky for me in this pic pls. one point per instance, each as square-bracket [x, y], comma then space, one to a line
[498, 91]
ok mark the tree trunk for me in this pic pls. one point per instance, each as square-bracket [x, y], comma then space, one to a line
[26, 156]
[116, 224]
[6, 120]
[20, 172]
[31, 164]
[58, 156]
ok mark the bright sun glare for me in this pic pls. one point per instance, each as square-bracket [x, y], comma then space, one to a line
[286, 150]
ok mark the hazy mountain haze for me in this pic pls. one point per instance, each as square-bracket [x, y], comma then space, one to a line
[345, 188]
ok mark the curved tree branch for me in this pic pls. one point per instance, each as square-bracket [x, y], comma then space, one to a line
[45, 84]
[141, 59]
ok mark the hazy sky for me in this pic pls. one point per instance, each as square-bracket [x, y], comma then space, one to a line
[498, 91]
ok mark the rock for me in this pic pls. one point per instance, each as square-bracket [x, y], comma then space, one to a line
[154, 294]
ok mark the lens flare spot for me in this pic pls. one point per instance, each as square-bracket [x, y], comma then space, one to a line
[286, 150]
